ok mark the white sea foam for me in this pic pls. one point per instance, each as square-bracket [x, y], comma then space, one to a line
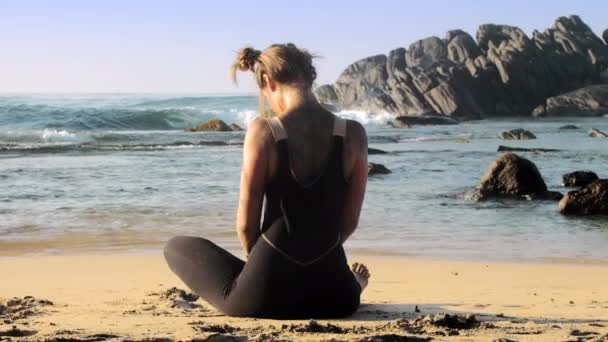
[53, 134]
[247, 116]
[366, 117]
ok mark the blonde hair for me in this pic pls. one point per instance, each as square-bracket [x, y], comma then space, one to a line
[284, 63]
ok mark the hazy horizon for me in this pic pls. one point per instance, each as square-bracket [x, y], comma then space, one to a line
[186, 47]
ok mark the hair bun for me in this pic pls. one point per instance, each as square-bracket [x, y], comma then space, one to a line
[247, 58]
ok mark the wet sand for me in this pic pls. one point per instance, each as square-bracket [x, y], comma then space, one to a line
[137, 298]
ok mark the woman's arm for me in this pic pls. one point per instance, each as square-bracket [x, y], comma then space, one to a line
[253, 180]
[356, 162]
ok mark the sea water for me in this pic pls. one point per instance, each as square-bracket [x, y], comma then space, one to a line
[118, 173]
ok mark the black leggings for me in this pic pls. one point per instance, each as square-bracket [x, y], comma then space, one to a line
[267, 285]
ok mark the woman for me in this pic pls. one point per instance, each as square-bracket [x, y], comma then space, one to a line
[312, 168]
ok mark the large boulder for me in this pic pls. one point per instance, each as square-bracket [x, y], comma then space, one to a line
[590, 200]
[588, 101]
[461, 46]
[214, 125]
[425, 52]
[516, 134]
[515, 177]
[579, 178]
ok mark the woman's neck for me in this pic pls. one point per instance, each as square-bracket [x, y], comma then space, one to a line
[295, 98]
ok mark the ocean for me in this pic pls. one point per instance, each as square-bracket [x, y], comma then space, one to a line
[117, 173]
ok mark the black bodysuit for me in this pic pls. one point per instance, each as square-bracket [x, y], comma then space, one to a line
[297, 268]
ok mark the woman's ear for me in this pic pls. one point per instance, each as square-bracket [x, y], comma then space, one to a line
[270, 83]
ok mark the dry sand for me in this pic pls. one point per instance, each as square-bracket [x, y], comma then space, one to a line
[128, 297]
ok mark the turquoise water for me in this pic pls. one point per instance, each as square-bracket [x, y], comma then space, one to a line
[94, 173]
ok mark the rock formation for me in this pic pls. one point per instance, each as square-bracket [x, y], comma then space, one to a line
[513, 176]
[502, 72]
[590, 200]
[591, 100]
[516, 134]
[579, 178]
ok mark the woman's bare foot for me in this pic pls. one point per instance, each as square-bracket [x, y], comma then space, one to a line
[361, 274]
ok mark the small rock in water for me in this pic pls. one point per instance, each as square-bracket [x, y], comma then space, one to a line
[377, 169]
[568, 127]
[515, 177]
[375, 151]
[590, 200]
[516, 134]
[424, 120]
[596, 133]
[579, 178]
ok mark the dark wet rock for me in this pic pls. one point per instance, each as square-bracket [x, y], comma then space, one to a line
[219, 338]
[596, 133]
[375, 151]
[424, 120]
[504, 73]
[503, 148]
[590, 200]
[458, 322]
[516, 134]
[214, 328]
[314, 327]
[175, 293]
[515, 177]
[377, 169]
[214, 125]
[579, 178]
[568, 127]
[588, 101]
[14, 331]
[393, 338]
[20, 308]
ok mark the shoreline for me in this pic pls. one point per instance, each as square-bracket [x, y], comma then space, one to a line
[352, 253]
[126, 296]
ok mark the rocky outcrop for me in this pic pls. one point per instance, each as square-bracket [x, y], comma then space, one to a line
[590, 200]
[377, 169]
[214, 125]
[579, 178]
[606, 36]
[596, 133]
[424, 120]
[516, 134]
[588, 101]
[502, 72]
[514, 177]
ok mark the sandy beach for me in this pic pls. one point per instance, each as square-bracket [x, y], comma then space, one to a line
[131, 297]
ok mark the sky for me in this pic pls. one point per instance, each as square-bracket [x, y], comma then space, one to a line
[184, 46]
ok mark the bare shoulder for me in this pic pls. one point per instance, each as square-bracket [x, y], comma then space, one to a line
[356, 135]
[258, 132]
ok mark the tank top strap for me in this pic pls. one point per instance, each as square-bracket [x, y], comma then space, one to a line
[276, 127]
